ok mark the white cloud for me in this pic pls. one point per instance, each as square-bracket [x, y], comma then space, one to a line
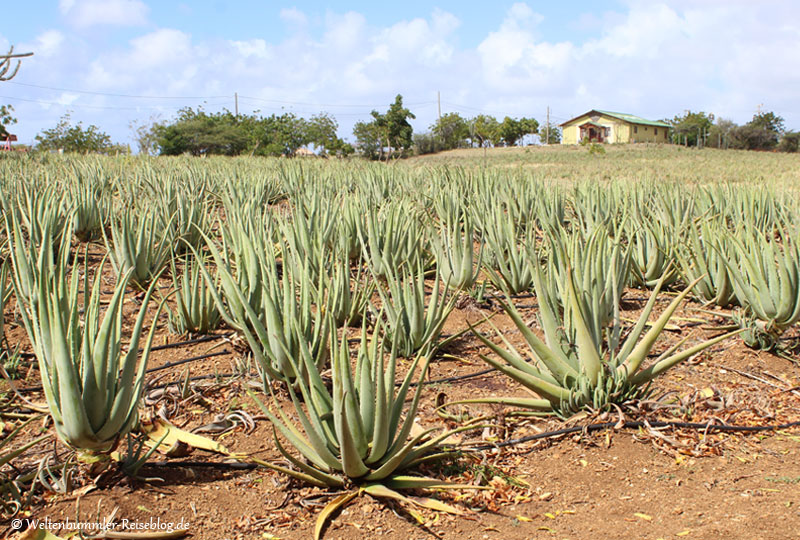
[654, 59]
[88, 13]
[293, 17]
[48, 43]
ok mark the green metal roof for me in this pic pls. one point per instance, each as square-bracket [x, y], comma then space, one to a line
[633, 119]
[625, 117]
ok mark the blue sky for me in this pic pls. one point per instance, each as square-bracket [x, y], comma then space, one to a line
[114, 62]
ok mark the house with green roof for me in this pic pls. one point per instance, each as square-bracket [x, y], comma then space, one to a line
[613, 127]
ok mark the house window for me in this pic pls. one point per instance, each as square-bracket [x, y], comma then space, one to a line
[645, 128]
[655, 131]
[636, 129]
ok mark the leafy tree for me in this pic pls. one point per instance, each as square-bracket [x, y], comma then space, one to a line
[278, 135]
[686, 128]
[400, 131]
[484, 130]
[390, 130]
[719, 136]
[761, 133]
[368, 139]
[426, 143]
[509, 131]
[198, 133]
[768, 121]
[764, 131]
[512, 130]
[6, 119]
[552, 135]
[452, 131]
[321, 132]
[201, 133]
[146, 135]
[75, 138]
[790, 142]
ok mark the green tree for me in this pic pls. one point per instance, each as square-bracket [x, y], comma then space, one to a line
[426, 143]
[719, 136]
[278, 135]
[75, 138]
[484, 130]
[369, 141]
[198, 133]
[321, 132]
[771, 126]
[511, 131]
[399, 133]
[146, 135]
[762, 133]
[387, 133]
[452, 131]
[768, 121]
[790, 142]
[687, 128]
[550, 134]
[6, 119]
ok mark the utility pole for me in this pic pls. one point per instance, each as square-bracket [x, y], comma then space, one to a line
[439, 103]
[236, 103]
[547, 127]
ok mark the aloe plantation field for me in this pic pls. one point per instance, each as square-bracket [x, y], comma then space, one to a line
[506, 344]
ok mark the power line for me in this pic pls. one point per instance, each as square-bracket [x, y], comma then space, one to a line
[89, 92]
[366, 111]
[476, 109]
[99, 107]
[342, 105]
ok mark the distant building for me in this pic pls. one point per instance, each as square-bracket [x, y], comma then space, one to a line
[7, 139]
[613, 127]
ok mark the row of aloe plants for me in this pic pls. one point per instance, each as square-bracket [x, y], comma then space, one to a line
[287, 273]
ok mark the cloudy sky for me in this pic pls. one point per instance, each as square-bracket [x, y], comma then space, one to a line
[113, 62]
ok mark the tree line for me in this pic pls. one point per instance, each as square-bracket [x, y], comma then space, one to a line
[766, 131]
[386, 135]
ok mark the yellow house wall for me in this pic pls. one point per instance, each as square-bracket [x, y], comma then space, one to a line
[621, 132]
[619, 129]
[569, 135]
[640, 133]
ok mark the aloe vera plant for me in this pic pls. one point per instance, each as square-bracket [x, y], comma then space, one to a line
[196, 311]
[393, 237]
[454, 251]
[571, 374]
[39, 213]
[277, 327]
[599, 265]
[414, 321]
[142, 245]
[766, 280]
[357, 433]
[92, 388]
[652, 255]
[345, 299]
[90, 209]
[507, 246]
[703, 257]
